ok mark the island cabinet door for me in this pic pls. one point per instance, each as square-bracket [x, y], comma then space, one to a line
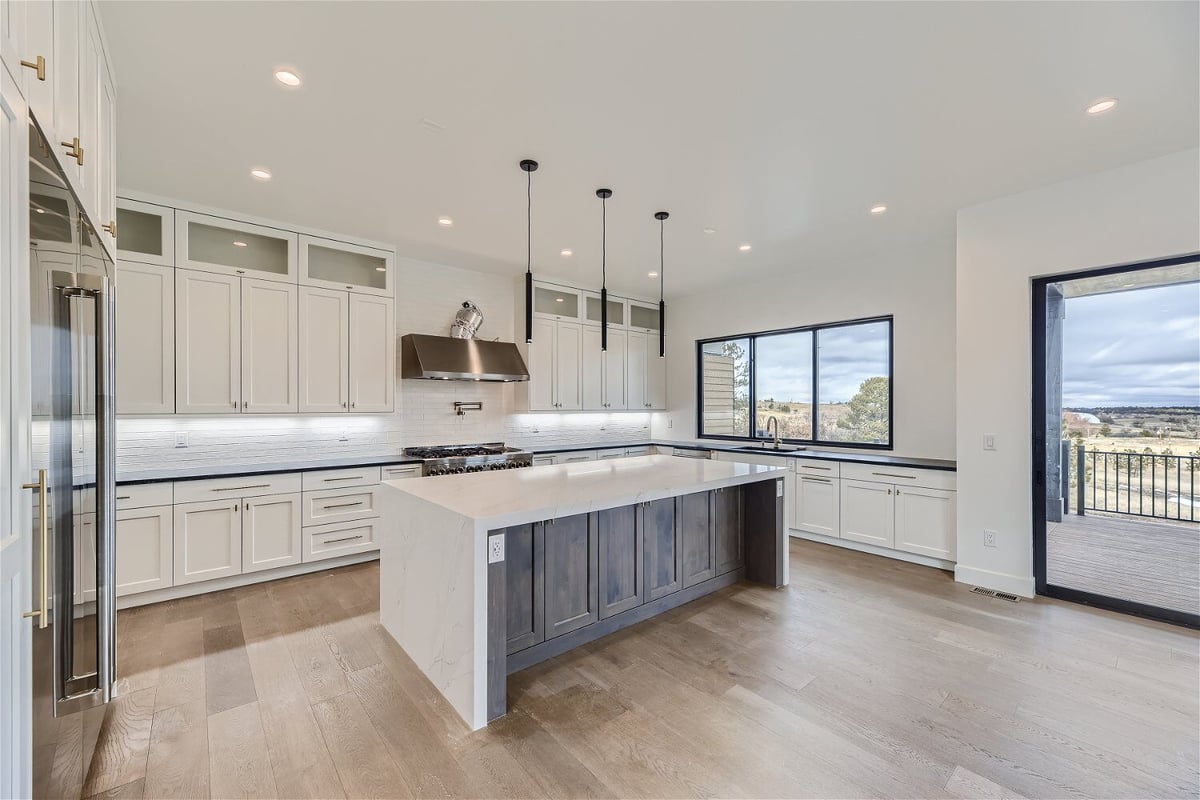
[696, 538]
[663, 559]
[727, 528]
[524, 566]
[621, 577]
[570, 574]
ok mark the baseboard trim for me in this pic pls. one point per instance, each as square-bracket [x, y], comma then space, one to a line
[887, 552]
[1000, 581]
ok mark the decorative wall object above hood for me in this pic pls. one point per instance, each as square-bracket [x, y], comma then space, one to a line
[449, 359]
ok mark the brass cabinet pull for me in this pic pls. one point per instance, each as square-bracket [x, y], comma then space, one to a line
[74, 150]
[43, 613]
[38, 65]
[111, 227]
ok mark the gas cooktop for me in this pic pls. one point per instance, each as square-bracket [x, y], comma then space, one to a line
[456, 459]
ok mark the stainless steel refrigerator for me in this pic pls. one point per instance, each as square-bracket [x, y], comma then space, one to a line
[71, 366]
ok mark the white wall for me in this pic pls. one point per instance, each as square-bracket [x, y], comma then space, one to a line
[916, 286]
[1135, 213]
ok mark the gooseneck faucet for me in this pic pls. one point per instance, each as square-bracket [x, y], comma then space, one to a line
[771, 419]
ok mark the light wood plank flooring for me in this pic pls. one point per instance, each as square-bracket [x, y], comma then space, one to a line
[1155, 563]
[865, 678]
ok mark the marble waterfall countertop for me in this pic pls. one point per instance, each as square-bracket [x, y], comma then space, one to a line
[511, 497]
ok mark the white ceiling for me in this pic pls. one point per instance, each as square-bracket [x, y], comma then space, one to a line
[777, 124]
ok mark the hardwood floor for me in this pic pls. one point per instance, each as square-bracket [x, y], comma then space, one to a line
[865, 678]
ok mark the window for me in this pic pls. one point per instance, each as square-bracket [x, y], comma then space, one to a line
[824, 384]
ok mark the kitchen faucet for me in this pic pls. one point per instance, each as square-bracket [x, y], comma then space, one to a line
[771, 419]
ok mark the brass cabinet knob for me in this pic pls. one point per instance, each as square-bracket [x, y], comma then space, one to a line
[38, 65]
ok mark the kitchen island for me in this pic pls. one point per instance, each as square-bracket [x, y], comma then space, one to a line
[485, 574]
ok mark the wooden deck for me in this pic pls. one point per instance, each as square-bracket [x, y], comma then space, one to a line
[1156, 563]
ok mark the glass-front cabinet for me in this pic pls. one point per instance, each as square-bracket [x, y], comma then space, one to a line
[556, 302]
[341, 265]
[616, 310]
[146, 233]
[214, 244]
[644, 316]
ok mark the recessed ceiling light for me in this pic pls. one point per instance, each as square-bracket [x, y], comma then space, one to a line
[566, 251]
[710, 230]
[239, 244]
[288, 77]
[745, 248]
[40, 210]
[651, 274]
[381, 269]
[1102, 105]
[879, 209]
[445, 222]
[260, 174]
[559, 300]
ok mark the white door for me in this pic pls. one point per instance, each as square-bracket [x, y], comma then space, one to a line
[39, 43]
[568, 366]
[867, 513]
[925, 522]
[591, 360]
[542, 371]
[656, 377]
[16, 504]
[615, 364]
[817, 507]
[324, 349]
[208, 343]
[270, 347]
[271, 532]
[12, 36]
[372, 353]
[145, 339]
[636, 389]
[208, 540]
[144, 543]
[91, 64]
[64, 72]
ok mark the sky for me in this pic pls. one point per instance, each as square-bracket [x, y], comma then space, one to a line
[847, 357]
[1134, 348]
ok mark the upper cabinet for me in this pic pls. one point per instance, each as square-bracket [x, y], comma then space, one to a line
[644, 316]
[147, 233]
[338, 265]
[215, 244]
[616, 310]
[557, 302]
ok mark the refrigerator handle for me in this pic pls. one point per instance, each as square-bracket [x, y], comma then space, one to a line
[106, 505]
[43, 613]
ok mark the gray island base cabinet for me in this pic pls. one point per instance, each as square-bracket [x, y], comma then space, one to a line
[486, 574]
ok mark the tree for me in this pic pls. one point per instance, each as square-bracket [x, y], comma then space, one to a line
[867, 414]
[1106, 430]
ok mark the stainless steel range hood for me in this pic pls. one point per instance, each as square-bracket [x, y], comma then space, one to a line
[449, 359]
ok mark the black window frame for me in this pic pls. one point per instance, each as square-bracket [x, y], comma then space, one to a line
[816, 399]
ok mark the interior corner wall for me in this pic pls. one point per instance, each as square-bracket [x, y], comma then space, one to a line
[915, 285]
[1140, 212]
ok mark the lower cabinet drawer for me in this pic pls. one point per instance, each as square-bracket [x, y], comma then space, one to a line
[339, 478]
[198, 491]
[339, 539]
[900, 476]
[340, 505]
[401, 472]
[144, 495]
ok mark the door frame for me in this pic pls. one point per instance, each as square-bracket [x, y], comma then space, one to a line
[1038, 444]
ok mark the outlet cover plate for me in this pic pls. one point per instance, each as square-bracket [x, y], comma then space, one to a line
[181, 439]
[989, 538]
[495, 549]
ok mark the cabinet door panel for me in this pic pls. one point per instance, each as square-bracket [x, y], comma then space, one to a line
[147, 233]
[663, 561]
[524, 580]
[215, 244]
[615, 360]
[540, 355]
[271, 532]
[817, 506]
[591, 360]
[324, 349]
[340, 265]
[568, 354]
[39, 42]
[571, 574]
[145, 339]
[91, 64]
[270, 348]
[727, 529]
[925, 522]
[656, 377]
[207, 343]
[63, 70]
[208, 540]
[372, 354]
[867, 513]
[106, 151]
[622, 584]
[696, 540]
[144, 544]
[638, 352]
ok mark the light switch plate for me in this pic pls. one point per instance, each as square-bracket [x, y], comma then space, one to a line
[495, 549]
[989, 441]
[181, 439]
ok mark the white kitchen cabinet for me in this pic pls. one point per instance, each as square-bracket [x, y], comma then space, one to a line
[560, 303]
[340, 265]
[145, 339]
[269, 347]
[208, 540]
[867, 514]
[324, 349]
[207, 343]
[91, 67]
[645, 317]
[340, 539]
[603, 376]
[340, 505]
[539, 358]
[63, 70]
[399, 472]
[817, 507]
[647, 373]
[554, 358]
[270, 532]
[568, 350]
[575, 457]
[38, 45]
[144, 546]
[617, 314]
[615, 370]
[12, 37]
[544, 460]
[106, 151]
[372, 354]
[146, 233]
[231, 247]
[925, 521]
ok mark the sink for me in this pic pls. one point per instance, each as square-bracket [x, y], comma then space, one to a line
[768, 448]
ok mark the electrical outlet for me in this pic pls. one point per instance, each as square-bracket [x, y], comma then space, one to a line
[181, 439]
[670, 423]
[989, 441]
[343, 437]
[989, 538]
[495, 549]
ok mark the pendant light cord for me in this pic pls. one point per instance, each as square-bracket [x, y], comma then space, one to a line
[661, 262]
[528, 222]
[603, 241]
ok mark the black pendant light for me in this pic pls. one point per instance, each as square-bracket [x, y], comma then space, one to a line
[661, 216]
[529, 165]
[603, 194]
